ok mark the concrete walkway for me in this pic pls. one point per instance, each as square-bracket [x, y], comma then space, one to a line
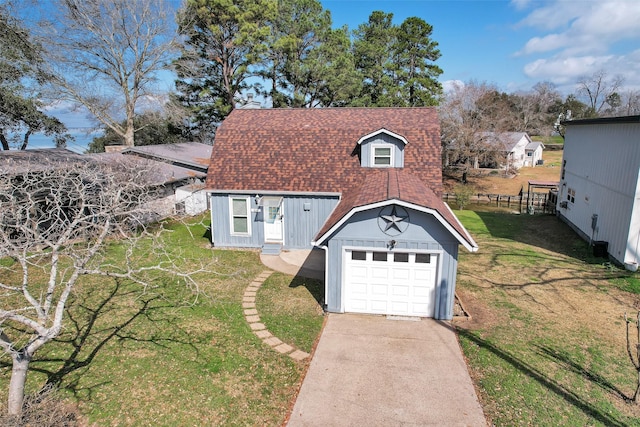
[372, 371]
[306, 263]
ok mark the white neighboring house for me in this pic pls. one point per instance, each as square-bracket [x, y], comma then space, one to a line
[599, 193]
[517, 147]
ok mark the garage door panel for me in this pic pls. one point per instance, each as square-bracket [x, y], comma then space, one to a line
[359, 288]
[393, 283]
[379, 290]
[359, 305]
[358, 271]
[401, 273]
[422, 309]
[423, 291]
[379, 306]
[398, 307]
[379, 272]
[422, 274]
[400, 290]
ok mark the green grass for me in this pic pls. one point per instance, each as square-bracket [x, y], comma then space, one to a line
[546, 346]
[170, 355]
[294, 319]
[556, 139]
[628, 282]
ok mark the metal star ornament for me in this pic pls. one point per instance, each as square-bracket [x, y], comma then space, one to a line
[393, 220]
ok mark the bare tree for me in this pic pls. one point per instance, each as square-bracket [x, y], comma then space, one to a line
[465, 121]
[630, 105]
[635, 359]
[533, 109]
[105, 55]
[599, 91]
[54, 222]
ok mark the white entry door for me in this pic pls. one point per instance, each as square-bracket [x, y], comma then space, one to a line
[273, 219]
[383, 282]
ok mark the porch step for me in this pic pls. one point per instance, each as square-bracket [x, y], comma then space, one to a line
[271, 248]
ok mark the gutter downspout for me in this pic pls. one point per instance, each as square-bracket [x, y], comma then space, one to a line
[213, 243]
[326, 275]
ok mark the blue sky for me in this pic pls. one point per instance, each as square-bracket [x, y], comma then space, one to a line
[516, 44]
[511, 43]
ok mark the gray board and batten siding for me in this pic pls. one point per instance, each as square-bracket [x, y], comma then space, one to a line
[303, 216]
[425, 234]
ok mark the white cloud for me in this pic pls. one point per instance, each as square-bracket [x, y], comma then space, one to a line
[554, 14]
[567, 70]
[579, 38]
[449, 85]
[520, 4]
[588, 26]
[564, 70]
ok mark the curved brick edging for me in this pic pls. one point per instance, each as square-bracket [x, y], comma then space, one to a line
[258, 328]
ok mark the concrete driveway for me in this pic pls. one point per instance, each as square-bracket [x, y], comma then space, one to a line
[373, 371]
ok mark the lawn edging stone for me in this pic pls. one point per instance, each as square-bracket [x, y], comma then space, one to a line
[259, 329]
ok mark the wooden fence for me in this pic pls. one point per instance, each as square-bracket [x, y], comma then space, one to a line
[532, 203]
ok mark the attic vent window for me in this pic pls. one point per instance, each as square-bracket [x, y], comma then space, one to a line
[382, 156]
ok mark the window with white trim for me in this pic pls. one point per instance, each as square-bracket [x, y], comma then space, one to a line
[382, 155]
[239, 209]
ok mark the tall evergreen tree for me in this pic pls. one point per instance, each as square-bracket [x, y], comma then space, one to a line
[308, 63]
[224, 40]
[337, 82]
[417, 75]
[21, 112]
[372, 49]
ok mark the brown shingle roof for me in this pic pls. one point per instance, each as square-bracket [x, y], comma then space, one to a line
[310, 150]
[393, 184]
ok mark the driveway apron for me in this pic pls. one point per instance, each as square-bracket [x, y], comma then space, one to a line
[374, 371]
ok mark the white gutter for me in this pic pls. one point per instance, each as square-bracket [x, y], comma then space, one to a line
[272, 192]
[326, 275]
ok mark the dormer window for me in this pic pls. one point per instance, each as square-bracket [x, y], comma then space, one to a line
[381, 149]
[382, 155]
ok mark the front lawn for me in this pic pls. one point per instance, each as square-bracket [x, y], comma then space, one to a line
[172, 356]
[546, 343]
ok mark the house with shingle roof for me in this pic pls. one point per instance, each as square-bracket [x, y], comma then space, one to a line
[362, 184]
[517, 148]
[497, 149]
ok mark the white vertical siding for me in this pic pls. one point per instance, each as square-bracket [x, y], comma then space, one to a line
[602, 163]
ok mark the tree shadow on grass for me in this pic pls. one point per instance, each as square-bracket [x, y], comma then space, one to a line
[543, 231]
[565, 362]
[91, 326]
[549, 384]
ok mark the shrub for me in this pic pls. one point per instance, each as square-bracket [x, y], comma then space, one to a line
[463, 194]
[43, 409]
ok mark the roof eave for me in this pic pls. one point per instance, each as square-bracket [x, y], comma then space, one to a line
[466, 241]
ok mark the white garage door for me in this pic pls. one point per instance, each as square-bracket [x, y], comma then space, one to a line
[396, 283]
